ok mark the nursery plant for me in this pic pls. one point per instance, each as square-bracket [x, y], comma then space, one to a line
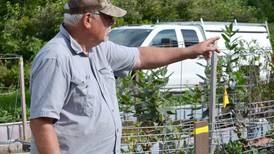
[142, 94]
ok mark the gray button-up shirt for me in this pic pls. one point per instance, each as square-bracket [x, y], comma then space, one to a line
[79, 92]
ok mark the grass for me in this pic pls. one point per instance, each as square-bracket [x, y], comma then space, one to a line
[10, 107]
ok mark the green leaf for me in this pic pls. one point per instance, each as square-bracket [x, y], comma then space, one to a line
[170, 112]
[201, 64]
[233, 46]
[203, 78]
[225, 38]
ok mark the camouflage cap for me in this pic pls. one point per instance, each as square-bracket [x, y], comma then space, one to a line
[103, 6]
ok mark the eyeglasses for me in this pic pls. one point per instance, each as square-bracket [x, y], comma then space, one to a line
[96, 13]
[105, 16]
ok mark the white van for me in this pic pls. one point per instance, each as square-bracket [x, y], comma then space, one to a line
[184, 34]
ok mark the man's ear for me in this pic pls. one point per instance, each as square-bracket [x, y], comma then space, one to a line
[87, 19]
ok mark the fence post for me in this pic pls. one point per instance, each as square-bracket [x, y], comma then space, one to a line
[23, 98]
[201, 137]
[212, 110]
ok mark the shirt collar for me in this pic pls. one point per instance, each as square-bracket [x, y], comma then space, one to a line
[73, 43]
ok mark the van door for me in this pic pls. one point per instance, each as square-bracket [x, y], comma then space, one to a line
[168, 38]
[190, 67]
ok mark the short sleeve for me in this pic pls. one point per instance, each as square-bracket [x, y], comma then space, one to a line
[121, 58]
[48, 87]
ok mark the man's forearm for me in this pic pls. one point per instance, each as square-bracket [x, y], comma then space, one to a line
[45, 136]
[151, 57]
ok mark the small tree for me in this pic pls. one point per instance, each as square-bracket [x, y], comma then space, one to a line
[143, 92]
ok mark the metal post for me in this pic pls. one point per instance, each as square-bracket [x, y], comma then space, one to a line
[23, 99]
[212, 110]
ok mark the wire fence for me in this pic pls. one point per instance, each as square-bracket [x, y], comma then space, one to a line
[247, 118]
[257, 129]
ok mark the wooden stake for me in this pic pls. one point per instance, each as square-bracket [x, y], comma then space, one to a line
[23, 98]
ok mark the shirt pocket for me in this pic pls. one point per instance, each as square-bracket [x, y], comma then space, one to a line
[107, 73]
[108, 79]
[82, 100]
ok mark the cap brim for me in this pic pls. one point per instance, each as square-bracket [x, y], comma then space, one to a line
[114, 11]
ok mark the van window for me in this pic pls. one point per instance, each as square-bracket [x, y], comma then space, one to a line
[190, 37]
[129, 37]
[165, 38]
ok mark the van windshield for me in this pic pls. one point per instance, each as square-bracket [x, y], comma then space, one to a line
[129, 37]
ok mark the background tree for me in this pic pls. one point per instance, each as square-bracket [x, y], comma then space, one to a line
[222, 10]
[265, 9]
[27, 25]
[151, 11]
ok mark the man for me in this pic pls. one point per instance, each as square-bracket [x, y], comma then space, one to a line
[74, 107]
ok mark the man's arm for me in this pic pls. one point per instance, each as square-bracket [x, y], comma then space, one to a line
[152, 57]
[45, 136]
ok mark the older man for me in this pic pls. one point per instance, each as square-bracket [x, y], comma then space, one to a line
[74, 107]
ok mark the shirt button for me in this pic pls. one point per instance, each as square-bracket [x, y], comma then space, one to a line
[112, 110]
[117, 130]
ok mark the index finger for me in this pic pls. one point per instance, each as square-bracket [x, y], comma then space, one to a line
[213, 42]
[214, 39]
